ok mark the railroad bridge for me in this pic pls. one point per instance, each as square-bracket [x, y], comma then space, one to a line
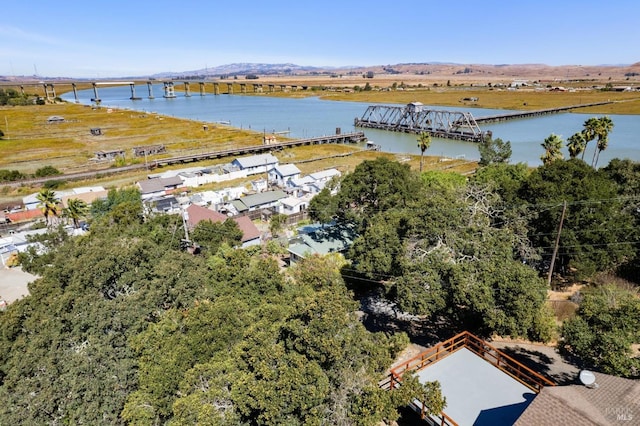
[415, 118]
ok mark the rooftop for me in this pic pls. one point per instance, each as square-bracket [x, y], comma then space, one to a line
[482, 385]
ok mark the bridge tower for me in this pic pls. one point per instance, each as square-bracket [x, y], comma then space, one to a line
[150, 89]
[230, 88]
[169, 90]
[187, 90]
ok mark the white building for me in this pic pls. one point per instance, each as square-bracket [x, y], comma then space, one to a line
[282, 175]
[256, 163]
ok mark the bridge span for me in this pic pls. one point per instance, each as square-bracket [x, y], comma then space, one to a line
[458, 125]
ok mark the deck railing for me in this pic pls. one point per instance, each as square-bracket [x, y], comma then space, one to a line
[489, 353]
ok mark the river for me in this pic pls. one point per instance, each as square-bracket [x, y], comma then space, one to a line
[311, 117]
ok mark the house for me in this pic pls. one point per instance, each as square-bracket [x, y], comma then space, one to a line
[250, 233]
[217, 198]
[262, 200]
[292, 205]
[259, 185]
[319, 239]
[602, 400]
[254, 164]
[282, 175]
[165, 204]
[87, 196]
[325, 175]
[160, 186]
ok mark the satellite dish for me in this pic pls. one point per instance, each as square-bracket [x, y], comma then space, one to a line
[588, 379]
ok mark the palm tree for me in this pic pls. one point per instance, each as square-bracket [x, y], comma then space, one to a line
[76, 209]
[589, 132]
[552, 149]
[605, 125]
[48, 204]
[424, 142]
[576, 144]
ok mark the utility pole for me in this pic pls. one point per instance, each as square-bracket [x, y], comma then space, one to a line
[555, 248]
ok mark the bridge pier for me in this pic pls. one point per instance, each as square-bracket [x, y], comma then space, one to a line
[257, 88]
[271, 88]
[187, 90]
[75, 92]
[169, 90]
[49, 94]
[150, 89]
[243, 88]
[202, 93]
[133, 92]
[230, 88]
[96, 98]
[283, 87]
[216, 88]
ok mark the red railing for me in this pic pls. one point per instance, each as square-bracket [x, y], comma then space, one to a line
[504, 362]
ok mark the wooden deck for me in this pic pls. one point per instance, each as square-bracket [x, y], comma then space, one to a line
[497, 358]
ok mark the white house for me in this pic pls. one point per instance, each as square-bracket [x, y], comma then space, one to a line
[292, 205]
[259, 185]
[254, 164]
[283, 174]
[157, 187]
[325, 175]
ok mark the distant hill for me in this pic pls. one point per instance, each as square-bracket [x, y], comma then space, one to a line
[244, 68]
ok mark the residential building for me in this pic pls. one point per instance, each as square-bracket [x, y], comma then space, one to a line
[262, 200]
[250, 233]
[283, 175]
[255, 164]
[150, 188]
[320, 239]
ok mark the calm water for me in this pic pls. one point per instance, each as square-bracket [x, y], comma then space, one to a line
[310, 117]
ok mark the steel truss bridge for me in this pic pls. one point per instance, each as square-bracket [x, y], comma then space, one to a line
[414, 118]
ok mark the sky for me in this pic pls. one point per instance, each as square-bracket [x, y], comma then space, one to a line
[98, 39]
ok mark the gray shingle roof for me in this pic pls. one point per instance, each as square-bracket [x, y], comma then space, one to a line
[608, 404]
[256, 161]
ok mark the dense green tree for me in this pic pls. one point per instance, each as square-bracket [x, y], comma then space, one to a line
[424, 142]
[601, 334]
[277, 223]
[375, 186]
[494, 151]
[596, 229]
[210, 235]
[323, 207]
[590, 132]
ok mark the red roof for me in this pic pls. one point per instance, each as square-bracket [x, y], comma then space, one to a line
[24, 215]
[249, 230]
[197, 214]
